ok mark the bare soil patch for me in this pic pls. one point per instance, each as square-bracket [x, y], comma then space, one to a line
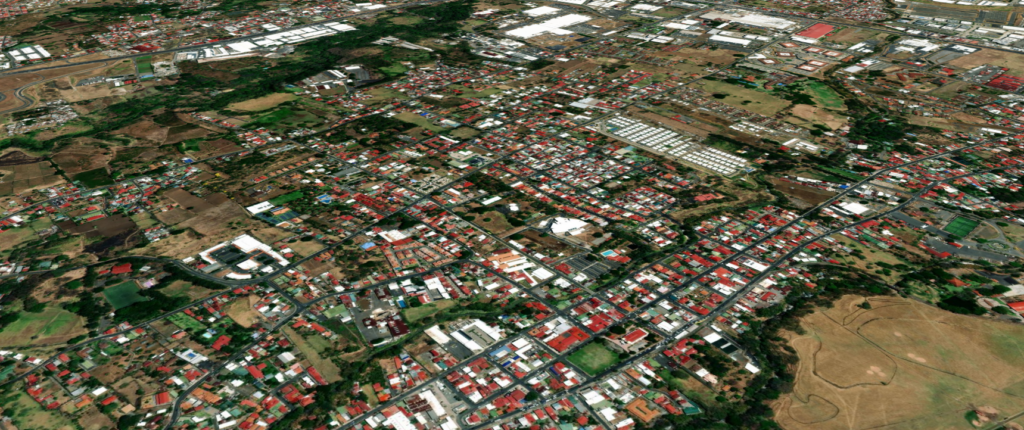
[810, 195]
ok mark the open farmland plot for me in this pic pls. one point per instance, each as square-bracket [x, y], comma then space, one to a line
[23, 177]
[123, 295]
[961, 226]
[79, 158]
[900, 364]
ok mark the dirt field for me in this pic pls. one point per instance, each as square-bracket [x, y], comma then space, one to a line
[106, 227]
[701, 57]
[808, 194]
[242, 312]
[1014, 62]
[186, 289]
[262, 103]
[901, 364]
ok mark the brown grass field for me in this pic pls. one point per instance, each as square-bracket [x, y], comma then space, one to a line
[242, 312]
[262, 103]
[312, 348]
[743, 98]
[901, 365]
[1014, 62]
[807, 194]
[813, 114]
[80, 158]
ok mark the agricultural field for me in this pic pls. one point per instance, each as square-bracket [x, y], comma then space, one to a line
[900, 363]
[19, 178]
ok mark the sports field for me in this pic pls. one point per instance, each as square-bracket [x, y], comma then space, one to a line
[123, 294]
[594, 358]
[961, 226]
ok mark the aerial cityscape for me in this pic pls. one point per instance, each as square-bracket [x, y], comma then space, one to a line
[511, 214]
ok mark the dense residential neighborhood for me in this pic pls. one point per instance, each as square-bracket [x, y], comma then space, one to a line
[500, 214]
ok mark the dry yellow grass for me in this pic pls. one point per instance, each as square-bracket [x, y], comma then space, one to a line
[901, 364]
[262, 103]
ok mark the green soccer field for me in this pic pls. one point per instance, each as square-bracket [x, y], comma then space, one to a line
[961, 226]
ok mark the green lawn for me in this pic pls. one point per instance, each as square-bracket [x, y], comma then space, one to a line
[824, 95]
[420, 312]
[394, 69]
[418, 120]
[594, 358]
[285, 198]
[961, 226]
[123, 294]
[50, 322]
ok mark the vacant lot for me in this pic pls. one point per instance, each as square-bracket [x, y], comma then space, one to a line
[242, 312]
[418, 120]
[815, 115]
[1014, 62]
[743, 98]
[900, 364]
[262, 103]
[851, 36]
[313, 348]
[810, 195]
[594, 358]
